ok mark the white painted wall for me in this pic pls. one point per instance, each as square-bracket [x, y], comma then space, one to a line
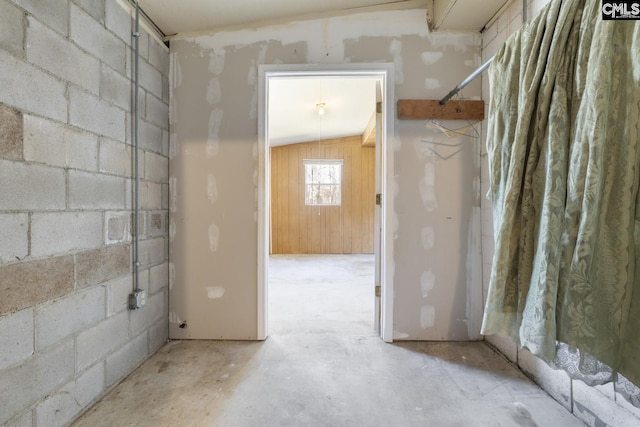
[596, 406]
[214, 131]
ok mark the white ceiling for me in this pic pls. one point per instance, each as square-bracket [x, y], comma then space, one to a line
[293, 113]
[292, 105]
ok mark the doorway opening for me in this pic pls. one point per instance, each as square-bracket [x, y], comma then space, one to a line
[319, 168]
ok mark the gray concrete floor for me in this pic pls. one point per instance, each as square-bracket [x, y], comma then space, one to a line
[323, 366]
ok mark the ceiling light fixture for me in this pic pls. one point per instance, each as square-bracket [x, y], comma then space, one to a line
[321, 106]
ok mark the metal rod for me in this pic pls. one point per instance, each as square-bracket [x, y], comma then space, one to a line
[466, 81]
[136, 177]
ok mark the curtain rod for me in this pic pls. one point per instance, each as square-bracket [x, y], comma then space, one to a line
[466, 81]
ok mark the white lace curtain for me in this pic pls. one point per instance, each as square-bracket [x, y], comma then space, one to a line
[564, 156]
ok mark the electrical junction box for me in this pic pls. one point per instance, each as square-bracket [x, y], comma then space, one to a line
[137, 299]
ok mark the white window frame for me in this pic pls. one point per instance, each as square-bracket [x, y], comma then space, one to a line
[307, 184]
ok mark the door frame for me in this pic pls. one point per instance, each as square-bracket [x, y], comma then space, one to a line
[385, 72]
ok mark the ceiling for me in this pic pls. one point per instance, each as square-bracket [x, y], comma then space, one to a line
[293, 116]
[293, 111]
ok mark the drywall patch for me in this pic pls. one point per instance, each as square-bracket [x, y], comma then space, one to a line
[427, 283]
[330, 48]
[172, 229]
[214, 292]
[216, 61]
[430, 57]
[427, 238]
[213, 140]
[174, 145]
[474, 304]
[173, 194]
[172, 275]
[427, 188]
[396, 50]
[214, 91]
[214, 237]
[174, 318]
[212, 188]
[431, 84]
[461, 42]
[427, 316]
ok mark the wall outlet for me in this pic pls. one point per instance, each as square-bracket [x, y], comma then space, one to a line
[137, 299]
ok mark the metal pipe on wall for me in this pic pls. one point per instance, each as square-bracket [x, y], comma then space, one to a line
[136, 177]
[466, 81]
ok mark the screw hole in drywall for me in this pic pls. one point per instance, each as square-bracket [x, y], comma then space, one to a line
[183, 325]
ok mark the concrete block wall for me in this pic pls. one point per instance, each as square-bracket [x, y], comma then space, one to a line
[66, 334]
[596, 406]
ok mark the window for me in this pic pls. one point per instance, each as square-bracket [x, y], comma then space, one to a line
[322, 179]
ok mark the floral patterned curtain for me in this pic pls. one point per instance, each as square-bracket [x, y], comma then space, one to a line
[564, 157]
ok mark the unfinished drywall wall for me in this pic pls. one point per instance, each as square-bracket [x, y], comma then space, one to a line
[596, 406]
[66, 335]
[214, 137]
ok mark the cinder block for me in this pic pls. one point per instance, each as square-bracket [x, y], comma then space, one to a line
[126, 359]
[118, 20]
[11, 29]
[61, 232]
[10, 133]
[596, 410]
[118, 291]
[14, 229]
[115, 157]
[150, 78]
[95, 8]
[165, 196]
[158, 223]
[91, 113]
[165, 143]
[24, 385]
[150, 195]
[117, 227]
[63, 405]
[58, 145]
[57, 54]
[16, 340]
[159, 57]
[152, 251]
[159, 278]
[28, 283]
[116, 88]
[101, 265]
[66, 316]
[150, 137]
[95, 343]
[158, 334]
[89, 34]
[165, 89]
[54, 13]
[153, 311]
[555, 382]
[156, 167]
[157, 112]
[95, 191]
[26, 87]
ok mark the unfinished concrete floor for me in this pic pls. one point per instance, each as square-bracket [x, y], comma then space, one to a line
[323, 366]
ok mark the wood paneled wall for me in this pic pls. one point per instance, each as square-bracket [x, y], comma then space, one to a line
[345, 229]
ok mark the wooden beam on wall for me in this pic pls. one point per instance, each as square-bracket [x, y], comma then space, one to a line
[424, 109]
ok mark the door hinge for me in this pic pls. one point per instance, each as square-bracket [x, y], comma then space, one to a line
[379, 107]
[379, 199]
[378, 291]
